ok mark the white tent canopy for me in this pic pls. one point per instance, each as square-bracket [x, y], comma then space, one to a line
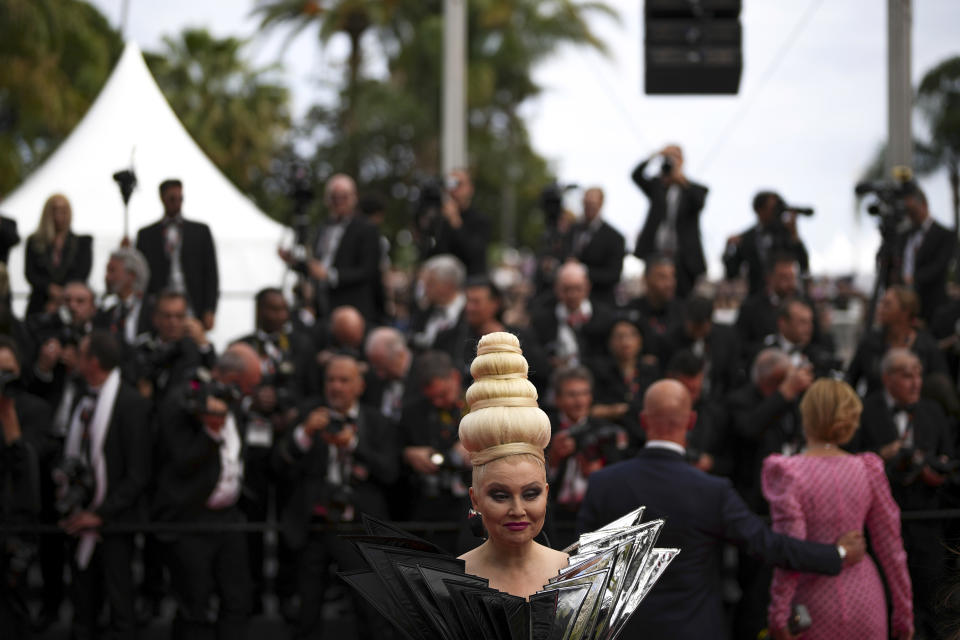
[131, 121]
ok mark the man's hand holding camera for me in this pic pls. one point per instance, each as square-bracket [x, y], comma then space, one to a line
[796, 383]
[80, 522]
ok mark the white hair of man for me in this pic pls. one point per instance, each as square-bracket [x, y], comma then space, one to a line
[135, 263]
[385, 342]
[767, 363]
[896, 358]
[447, 268]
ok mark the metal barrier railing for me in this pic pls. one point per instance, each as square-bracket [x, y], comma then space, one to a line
[413, 527]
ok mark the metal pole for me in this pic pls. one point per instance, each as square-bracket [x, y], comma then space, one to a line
[124, 13]
[454, 145]
[899, 86]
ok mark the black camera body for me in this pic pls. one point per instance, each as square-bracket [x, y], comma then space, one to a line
[46, 326]
[910, 461]
[202, 386]
[428, 215]
[593, 440]
[887, 204]
[75, 485]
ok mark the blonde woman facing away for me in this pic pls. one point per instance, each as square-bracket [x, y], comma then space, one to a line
[816, 496]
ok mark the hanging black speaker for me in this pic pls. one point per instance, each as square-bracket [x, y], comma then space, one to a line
[692, 47]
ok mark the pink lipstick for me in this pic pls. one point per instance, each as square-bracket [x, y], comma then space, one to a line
[517, 526]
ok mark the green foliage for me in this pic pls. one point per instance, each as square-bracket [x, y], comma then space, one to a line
[387, 132]
[238, 115]
[55, 56]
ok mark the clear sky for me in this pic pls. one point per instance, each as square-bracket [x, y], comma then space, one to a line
[805, 126]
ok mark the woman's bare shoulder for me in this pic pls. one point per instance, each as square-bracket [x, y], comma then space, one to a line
[555, 558]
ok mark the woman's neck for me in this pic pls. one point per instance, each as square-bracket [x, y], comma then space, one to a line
[898, 334]
[509, 556]
[816, 447]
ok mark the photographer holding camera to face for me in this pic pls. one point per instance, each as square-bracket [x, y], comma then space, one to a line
[459, 229]
[200, 477]
[775, 233]
[23, 422]
[672, 227]
[339, 460]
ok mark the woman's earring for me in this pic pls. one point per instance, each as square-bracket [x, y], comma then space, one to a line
[475, 522]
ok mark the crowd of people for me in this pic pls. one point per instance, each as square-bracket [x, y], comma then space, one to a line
[125, 428]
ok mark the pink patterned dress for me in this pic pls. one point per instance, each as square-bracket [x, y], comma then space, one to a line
[819, 499]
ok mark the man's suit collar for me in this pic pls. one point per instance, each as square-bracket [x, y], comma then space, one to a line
[657, 452]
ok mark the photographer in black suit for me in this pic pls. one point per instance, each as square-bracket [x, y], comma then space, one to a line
[928, 248]
[344, 260]
[579, 445]
[107, 448]
[182, 256]
[672, 227]
[463, 231]
[599, 247]
[915, 440]
[200, 477]
[436, 470]
[775, 232]
[794, 337]
[168, 354]
[24, 421]
[340, 458]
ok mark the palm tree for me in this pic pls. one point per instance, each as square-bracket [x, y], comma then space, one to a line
[938, 100]
[237, 114]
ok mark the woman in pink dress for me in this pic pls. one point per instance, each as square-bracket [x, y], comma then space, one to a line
[820, 494]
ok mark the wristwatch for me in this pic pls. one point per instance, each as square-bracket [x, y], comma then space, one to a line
[842, 550]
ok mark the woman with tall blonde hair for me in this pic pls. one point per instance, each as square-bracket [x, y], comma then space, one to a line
[820, 494]
[55, 255]
[505, 434]
[510, 586]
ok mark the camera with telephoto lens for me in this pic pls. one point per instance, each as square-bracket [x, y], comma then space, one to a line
[888, 196]
[783, 210]
[75, 484]
[909, 463]
[202, 386]
[592, 441]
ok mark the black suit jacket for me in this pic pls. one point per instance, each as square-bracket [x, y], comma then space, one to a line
[110, 318]
[75, 262]
[377, 451]
[126, 450]
[188, 460]
[703, 513]
[602, 255]
[357, 261]
[468, 243]
[591, 337]
[8, 237]
[930, 268]
[689, 258]
[198, 258]
[758, 427]
[747, 254]
[722, 352]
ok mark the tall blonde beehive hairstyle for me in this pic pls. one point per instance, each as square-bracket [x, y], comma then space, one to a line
[504, 418]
